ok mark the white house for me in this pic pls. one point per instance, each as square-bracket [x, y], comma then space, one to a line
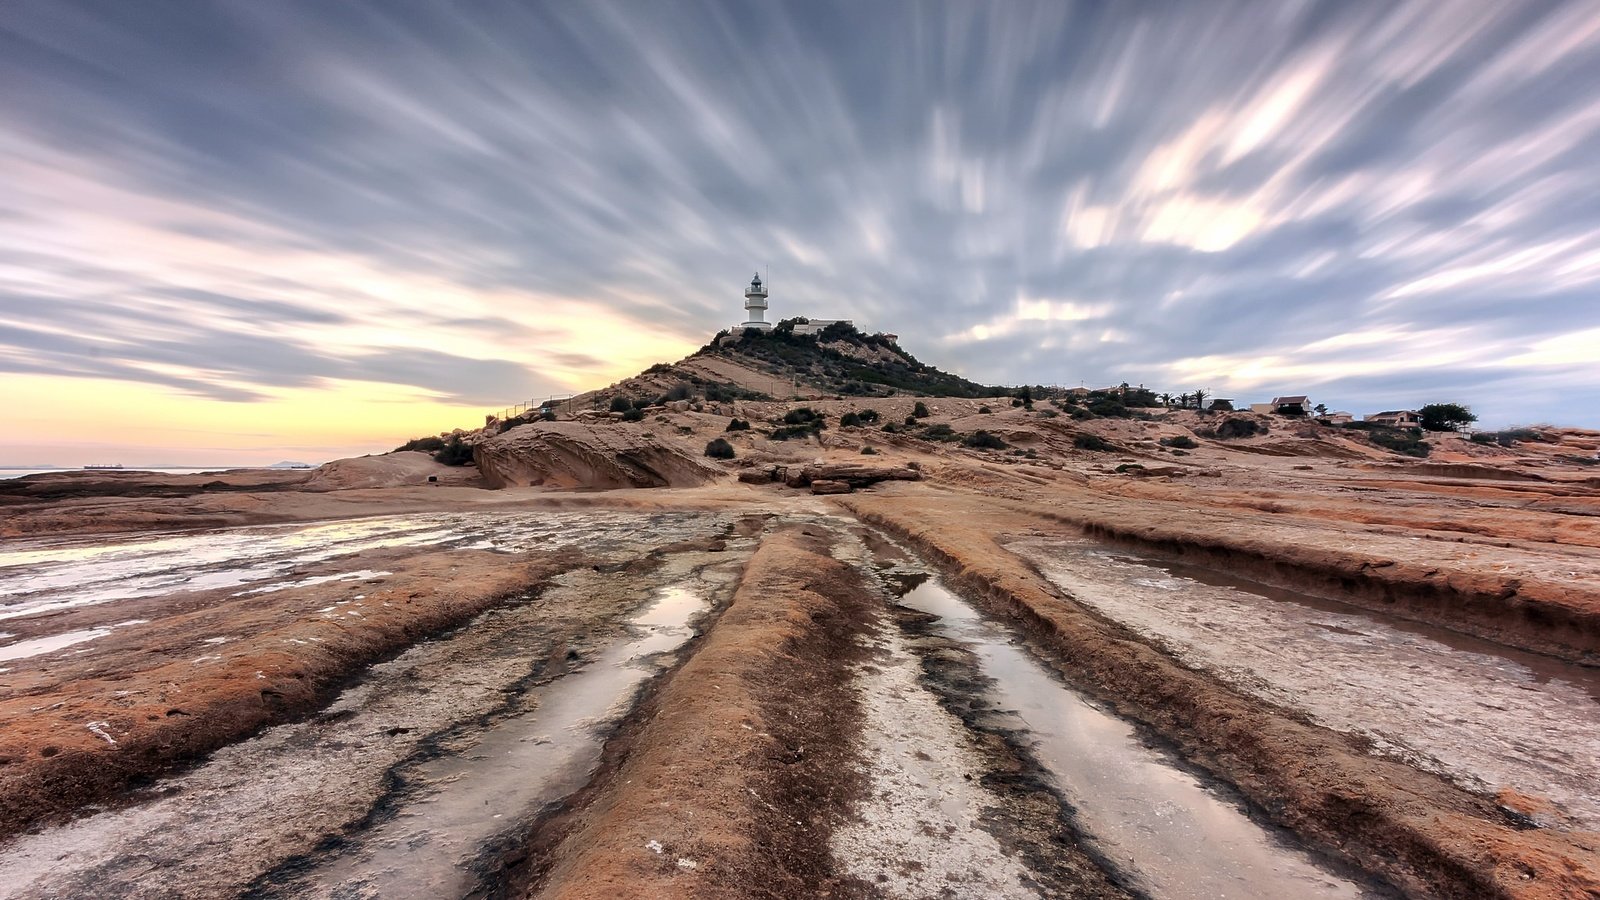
[1279, 403]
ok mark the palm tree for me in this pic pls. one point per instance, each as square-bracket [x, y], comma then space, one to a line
[1166, 400]
[1321, 408]
[1183, 400]
[1199, 399]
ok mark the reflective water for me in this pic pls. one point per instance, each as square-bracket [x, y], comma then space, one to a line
[461, 800]
[40, 576]
[1487, 717]
[1176, 836]
[54, 642]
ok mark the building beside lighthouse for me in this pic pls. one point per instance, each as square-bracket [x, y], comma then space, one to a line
[755, 312]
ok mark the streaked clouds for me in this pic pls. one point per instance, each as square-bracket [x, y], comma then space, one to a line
[1375, 203]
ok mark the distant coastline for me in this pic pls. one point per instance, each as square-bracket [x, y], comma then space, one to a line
[20, 471]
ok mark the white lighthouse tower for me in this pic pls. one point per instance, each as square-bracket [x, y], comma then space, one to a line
[755, 305]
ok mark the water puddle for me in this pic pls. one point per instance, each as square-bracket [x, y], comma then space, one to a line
[458, 802]
[1171, 834]
[54, 642]
[919, 831]
[46, 575]
[1485, 716]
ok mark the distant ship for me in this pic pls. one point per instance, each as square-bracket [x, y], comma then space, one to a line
[112, 466]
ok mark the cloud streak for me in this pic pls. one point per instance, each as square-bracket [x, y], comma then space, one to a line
[1380, 203]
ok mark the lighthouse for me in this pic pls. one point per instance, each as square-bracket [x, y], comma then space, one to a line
[755, 305]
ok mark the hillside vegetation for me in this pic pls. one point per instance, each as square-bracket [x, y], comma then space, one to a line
[842, 360]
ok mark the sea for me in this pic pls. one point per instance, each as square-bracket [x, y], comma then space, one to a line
[19, 471]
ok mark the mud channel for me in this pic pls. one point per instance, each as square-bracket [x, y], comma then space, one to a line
[431, 760]
[1488, 717]
[992, 777]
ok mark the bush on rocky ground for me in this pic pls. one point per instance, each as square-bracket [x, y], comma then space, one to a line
[455, 452]
[1181, 442]
[1092, 442]
[422, 445]
[1406, 441]
[1233, 428]
[983, 440]
[718, 448]
[737, 425]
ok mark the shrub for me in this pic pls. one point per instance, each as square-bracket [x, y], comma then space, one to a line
[718, 448]
[1482, 437]
[454, 453]
[1130, 467]
[983, 440]
[850, 420]
[1016, 401]
[1404, 441]
[737, 425]
[1086, 441]
[920, 411]
[633, 415]
[869, 451]
[792, 432]
[868, 416]
[892, 428]
[940, 432]
[984, 410]
[1048, 414]
[1082, 415]
[911, 422]
[683, 390]
[1182, 442]
[1238, 427]
[801, 416]
[1221, 406]
[1108, 407]
[620, 403]
[424, 445]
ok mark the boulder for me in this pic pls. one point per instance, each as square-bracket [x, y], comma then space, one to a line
[858, 475]
[824, 486]
[577, 455]
[758, 476]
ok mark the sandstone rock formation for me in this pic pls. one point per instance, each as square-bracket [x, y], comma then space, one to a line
[580, 455]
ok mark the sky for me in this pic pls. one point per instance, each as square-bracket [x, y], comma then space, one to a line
[236, 232]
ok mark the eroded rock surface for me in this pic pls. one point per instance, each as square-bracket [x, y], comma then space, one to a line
[578, 455]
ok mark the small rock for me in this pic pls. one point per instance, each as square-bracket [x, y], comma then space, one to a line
[825, 486]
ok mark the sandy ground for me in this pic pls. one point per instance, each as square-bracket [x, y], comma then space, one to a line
[373, 651]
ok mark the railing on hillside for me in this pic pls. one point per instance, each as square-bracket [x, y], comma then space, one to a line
[561, 404]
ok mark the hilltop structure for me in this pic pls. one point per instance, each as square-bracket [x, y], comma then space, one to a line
[755, 305]
[755, 312]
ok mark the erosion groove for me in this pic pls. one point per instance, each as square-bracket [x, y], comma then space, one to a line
[1421, 833]
[53, 771]
[751, 733]
[1506, 610]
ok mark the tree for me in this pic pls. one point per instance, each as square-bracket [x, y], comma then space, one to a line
[1222, 406]
[1166, 400]
[1446, 416]
[1321, 408]
[1183, 400]
[1199, 399]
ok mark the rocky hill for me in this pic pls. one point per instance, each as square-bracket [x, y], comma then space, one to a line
[780, 364]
